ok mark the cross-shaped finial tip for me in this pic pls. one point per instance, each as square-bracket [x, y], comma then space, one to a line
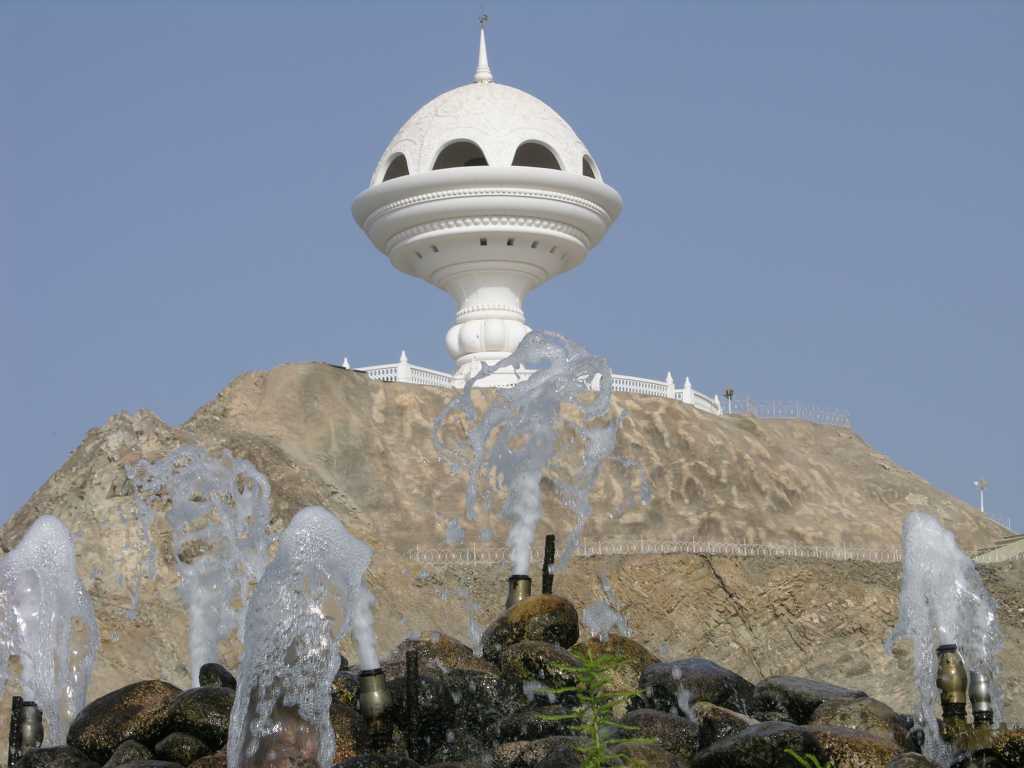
[483, 21]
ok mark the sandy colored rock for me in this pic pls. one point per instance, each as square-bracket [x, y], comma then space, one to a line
[363, 450]
[863, 714]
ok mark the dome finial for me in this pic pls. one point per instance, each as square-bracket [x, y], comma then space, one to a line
[483, 70]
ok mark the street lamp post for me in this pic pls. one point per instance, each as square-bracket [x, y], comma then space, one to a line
[981, 485]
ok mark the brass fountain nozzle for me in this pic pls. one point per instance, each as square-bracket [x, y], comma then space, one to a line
[951, 678]
[980, 689]
[519, 588]
[375, 704]
[26, 729]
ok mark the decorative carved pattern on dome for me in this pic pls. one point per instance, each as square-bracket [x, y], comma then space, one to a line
[487, 221]
[447, 194]
[496, 117]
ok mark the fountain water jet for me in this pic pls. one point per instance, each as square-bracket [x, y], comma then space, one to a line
[219, 513]
[944, 604]
[310, 596]
[47, 621]
[563, 411]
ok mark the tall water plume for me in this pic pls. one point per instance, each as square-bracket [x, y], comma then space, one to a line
[310, 596]
[218, 509]
[558, 421]
[943, 601]
[47, 621]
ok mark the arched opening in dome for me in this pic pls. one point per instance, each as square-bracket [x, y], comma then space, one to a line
[398, 166]
[460, 154]
[536, 155]
[588, 167]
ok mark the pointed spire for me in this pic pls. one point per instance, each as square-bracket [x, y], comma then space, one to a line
[483, 69]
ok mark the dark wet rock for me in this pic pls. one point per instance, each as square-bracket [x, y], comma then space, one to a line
[854, 749]
[705, 680]
[714, 723]
[133, 712]
[551, 752]
[126, 752]
[436, 650]
[635, 658]
[911, 760]
[55, 757]
[1008, 746]
[459, 746]
[650, 756]
[435, 709]
[546, 618]
[530, 724]
[760, 746]
[216, 760]
[203, 712]
[350, 732]
[796, 698]
[216, 675]
[863, 714]
[671, 733]
[377, 760]
[181, 748]
[535, 660]
[345, 687]
[151, 764]
[483, 698]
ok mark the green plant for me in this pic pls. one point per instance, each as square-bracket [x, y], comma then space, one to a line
[807, 760]
[593, 717]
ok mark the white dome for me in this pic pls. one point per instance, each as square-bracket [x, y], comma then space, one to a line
[497, 118]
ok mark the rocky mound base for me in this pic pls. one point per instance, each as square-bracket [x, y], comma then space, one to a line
[501, 710]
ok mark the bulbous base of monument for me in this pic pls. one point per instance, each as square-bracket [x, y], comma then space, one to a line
[502, 377]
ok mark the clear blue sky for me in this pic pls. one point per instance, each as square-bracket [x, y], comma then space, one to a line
[823, 202]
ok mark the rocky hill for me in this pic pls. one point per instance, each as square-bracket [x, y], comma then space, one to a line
[363, 450]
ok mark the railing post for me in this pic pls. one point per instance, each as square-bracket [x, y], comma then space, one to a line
[404, 369]
[687, 391]
[670, 386]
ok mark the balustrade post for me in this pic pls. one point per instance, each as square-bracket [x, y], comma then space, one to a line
[404, 373]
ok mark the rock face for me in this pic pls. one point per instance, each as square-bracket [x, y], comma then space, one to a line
[363, 450]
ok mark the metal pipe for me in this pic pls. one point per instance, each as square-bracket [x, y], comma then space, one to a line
[951, 679]
[980, 689]
[26, 731]
[374, 704]
[519, 588]
[412, 702]
[547, 581]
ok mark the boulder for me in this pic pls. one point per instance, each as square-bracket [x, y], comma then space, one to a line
[530, 724]
[216, 760]
[216, 675]
[649, 756]
[434, 709]
[460, 746]
[202, 712]
[126, 752]
[662, 683]
[437, 650]
[133, 712]
[715, 723]
[540, 661]
[350, 732]
[546, 618]
[1008, 745]
[483, 698]
[911, 760]
[345, 688]
[760, 746]
[796, 698]
[671, 733]
[635, 658]
[151, 764]
[854, 749]
[55, 757]
[181, 748]
[551, 752]
[377, 760]
[863, 714]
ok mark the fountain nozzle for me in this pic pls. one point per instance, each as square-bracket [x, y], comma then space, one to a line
[951, 679]
[375, 705]
[519, 588]
[26, 728]
[980, 688]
